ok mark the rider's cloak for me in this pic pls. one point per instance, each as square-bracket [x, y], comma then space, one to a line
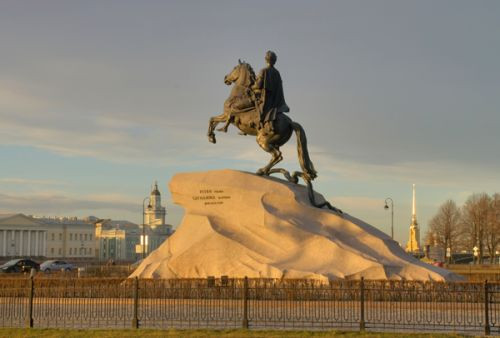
[273, 99]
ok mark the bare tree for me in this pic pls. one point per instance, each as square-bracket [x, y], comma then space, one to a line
[492, 231]
[475, 217]
[445, 227]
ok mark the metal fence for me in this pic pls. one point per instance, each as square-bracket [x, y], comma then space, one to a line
[250, 303]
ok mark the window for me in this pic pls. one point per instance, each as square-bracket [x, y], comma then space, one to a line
[81, 237]
[86, 236]
[90, 251]
[70, 250]
[90, 237]
[53, 237]
[70, 237]
[59, 251]
[52, 249]
[60, 236]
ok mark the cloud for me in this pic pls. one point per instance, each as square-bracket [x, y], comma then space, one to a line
[54, 126]
[26, 181]
[126, 141]
[15, 100]
[436, 173]
[50, 202]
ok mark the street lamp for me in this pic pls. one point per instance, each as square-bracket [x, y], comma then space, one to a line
[475, 250]
[392, 214]
[143, 241]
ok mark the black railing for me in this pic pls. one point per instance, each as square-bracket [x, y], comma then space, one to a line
[250, 303]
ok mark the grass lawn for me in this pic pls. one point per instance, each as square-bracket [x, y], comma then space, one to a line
[203, 333]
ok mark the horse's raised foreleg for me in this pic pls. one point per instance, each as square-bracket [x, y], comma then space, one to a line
[226, 125]
[213, 122]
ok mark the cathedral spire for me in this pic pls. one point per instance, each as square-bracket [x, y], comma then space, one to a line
[414, 208]
[413, 245]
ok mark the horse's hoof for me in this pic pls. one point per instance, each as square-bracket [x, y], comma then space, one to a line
[260, 172]
[211, 139]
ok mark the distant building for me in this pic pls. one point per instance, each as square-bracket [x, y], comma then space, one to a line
[57, 237]
[413, 245]
[89, 238]
[154, 214]
[432, 250]
[20, 235]
[68, 237]
[155, 228]
[116, 242]
[121, 240]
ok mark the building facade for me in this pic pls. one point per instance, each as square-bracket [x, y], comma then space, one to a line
[154, 214]
[58, 237]
[125, 241]
[114, 242]
[68, 237]
[20, 235]
[155, 228]
[88, 239]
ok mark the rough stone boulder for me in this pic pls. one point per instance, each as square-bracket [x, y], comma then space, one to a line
[239, 224]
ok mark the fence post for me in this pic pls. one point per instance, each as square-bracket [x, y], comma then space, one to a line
[135, 320]
[486, 313]
[245, 303]
[30, 302]
[362, 304]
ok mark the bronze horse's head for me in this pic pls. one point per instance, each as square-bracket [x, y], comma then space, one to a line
[241, 74]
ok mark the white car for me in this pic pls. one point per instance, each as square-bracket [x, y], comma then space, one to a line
[54, 265]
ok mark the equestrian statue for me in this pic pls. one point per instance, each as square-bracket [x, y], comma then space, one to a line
[256, 106]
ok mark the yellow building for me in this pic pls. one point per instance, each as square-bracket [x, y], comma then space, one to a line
[68, 237]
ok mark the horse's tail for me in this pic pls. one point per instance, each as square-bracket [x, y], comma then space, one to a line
[304, 160]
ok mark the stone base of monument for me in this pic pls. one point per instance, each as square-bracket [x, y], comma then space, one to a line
[239, 224]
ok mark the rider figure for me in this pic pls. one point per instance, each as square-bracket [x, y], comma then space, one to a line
[270, 87]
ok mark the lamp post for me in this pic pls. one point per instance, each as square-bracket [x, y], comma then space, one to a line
[143, 241]
[475, 251]
[392, 214]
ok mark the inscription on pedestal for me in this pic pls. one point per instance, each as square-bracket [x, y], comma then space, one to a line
[212, 196]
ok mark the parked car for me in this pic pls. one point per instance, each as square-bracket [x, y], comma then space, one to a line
[56, 265]
[19, 265]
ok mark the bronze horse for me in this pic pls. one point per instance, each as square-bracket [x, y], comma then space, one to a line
[246, 117]
[248, 120]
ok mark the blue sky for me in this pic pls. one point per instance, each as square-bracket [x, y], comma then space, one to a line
[100, 98]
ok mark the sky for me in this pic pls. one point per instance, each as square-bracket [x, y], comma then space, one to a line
[98, 99]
